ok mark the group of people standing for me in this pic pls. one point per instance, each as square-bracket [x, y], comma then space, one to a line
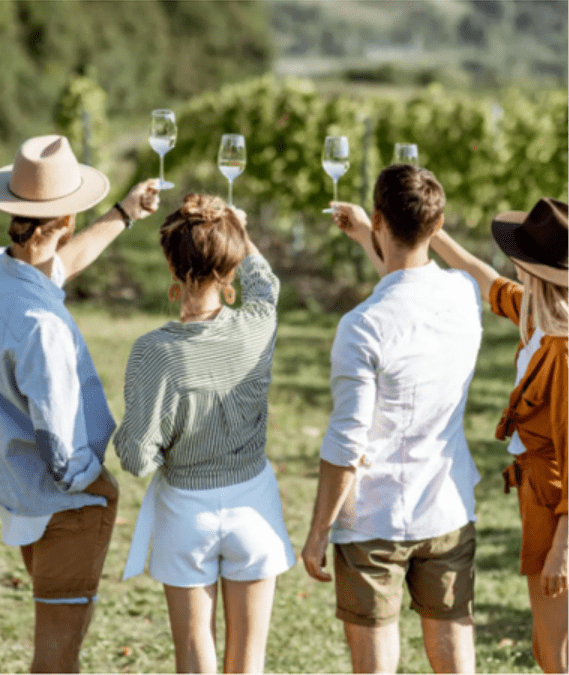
[396, 483]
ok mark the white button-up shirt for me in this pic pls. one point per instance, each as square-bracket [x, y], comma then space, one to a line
[402, 362]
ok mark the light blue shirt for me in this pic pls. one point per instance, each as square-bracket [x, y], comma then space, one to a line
[54, 419]
[402, 362]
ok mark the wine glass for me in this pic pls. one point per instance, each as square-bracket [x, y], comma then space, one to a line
[335, 161]
[162, 138]
[231, 159]
[406, 153]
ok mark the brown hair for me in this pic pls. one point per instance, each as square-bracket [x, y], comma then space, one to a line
[412, 201]
[22, 228]
[203, 240]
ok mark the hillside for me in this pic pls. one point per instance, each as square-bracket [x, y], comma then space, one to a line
[481, 42]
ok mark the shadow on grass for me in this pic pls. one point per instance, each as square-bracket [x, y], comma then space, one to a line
[507, 623]
[493, 405]
[506, 556]
[490, 370]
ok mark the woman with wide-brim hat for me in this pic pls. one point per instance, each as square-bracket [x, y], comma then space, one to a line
[57, 500]
[46, 187]
[535, 420]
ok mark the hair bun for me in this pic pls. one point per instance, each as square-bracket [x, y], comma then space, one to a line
[203, 208]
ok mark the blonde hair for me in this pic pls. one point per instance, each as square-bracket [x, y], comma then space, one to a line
[544, 305]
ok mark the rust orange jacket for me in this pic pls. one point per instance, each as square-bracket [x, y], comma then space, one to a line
[542, 411]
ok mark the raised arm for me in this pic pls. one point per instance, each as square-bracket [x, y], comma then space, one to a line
[86, 246]
[354, 221]
[458, 257]
[250, 246]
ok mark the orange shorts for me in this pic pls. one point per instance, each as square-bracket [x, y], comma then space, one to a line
[67, 562]
[539, 493]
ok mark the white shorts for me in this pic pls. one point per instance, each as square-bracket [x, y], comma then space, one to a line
[236, 532]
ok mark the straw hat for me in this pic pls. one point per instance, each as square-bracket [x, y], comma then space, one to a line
[536, 241]
[46, 181]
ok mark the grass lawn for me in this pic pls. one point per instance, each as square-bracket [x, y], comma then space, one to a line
[130, 631]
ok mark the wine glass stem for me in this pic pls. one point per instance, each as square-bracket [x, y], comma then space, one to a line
[230, 198]
[335, 190]
[161, 168]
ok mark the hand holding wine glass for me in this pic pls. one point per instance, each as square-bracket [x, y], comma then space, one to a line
[406, 153]
[335, 161]
[231, 159]
[163, 132]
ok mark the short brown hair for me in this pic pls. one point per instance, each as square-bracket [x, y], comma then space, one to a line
[412, 201]
[203, 240]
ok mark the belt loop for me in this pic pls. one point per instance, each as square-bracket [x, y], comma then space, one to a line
[517, 473]
[512, 475]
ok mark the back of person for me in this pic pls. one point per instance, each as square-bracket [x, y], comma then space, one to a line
[220, 373]
[205, 387]
[196, 409]
[422, 329]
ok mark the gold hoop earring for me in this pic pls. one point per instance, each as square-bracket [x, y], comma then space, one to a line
[174, 292]
[229, 294]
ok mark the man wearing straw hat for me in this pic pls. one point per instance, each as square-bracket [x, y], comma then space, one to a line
[57, 500]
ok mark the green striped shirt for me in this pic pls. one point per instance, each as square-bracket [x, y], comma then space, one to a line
[196, 393]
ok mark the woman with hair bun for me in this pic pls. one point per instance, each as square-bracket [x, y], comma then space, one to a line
[196, 411]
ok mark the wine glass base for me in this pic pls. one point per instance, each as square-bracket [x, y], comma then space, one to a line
[164, 184]
[332, 209]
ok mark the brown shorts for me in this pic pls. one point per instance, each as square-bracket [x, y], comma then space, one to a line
[439, 573]
[539, 492]
[67, 562]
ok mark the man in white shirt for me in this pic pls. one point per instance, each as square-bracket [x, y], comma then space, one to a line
[396, 485]
[57, 500]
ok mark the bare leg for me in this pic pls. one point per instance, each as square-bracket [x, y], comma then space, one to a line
[248, 606]
[374, 649]
[192, 620]
[450, 645]
[58, 635]
[549, 627]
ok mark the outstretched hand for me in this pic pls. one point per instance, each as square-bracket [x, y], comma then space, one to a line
[352, 220]
[142, 200]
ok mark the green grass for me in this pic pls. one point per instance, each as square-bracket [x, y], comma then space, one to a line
[130, 631]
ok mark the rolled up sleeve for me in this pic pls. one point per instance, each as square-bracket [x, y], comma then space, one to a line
[355, 356]
[47, 376]
[258, 282]
[506, 299]
[142, 433]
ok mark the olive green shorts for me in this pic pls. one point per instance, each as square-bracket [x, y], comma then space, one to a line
[439, 573]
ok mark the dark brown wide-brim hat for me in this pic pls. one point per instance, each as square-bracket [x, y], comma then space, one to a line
[536, 241]
[47, 181]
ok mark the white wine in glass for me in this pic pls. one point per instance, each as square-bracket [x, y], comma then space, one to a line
[231, 159]
[335, 161]
[162, 139]
[406, 153]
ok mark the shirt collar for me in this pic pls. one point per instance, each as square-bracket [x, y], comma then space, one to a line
[198, 327]
[412, 274]
[24, 272]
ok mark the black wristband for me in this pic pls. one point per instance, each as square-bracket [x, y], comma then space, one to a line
[128, 221]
